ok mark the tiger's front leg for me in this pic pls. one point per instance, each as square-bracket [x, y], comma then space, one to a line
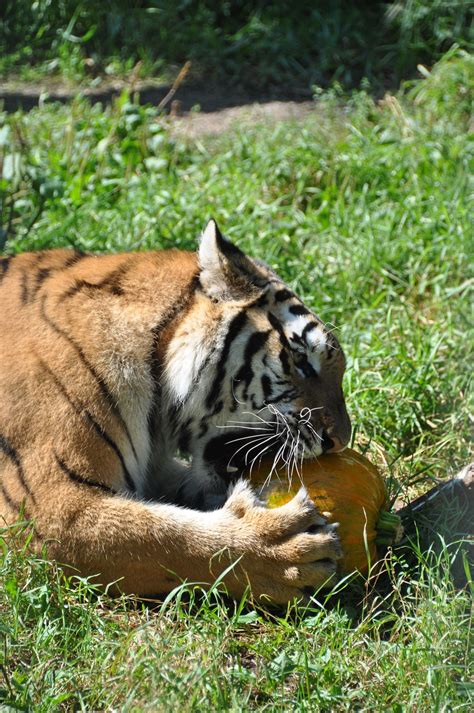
[148, 549]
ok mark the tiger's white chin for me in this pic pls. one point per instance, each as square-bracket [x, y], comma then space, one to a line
[311, 453]
[315, 449]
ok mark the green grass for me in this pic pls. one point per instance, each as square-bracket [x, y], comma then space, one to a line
[69, 647]
[364, 209]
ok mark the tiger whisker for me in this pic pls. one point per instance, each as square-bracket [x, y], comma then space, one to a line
[269, 476]
[287, 450]
[276, 412]
[280, 455]
[255, 439]
[258, 457]
[295, 456]
[276, 459]
[250, 423]
[255, 415]
[309, 411]
[315, 433]
[235, 453]
[310, 427]
[299, 469]
[284, 456]
[242, 403]
[292, 458]
[251, 437]
[247, 428]
[301, 465]
[270, 438]
[285, 423]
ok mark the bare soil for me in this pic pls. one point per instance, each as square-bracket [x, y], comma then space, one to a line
[195, 109]
[195, 124]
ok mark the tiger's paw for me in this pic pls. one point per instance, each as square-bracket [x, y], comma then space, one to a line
[284, 551]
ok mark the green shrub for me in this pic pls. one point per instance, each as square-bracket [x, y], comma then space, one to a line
[255, 44]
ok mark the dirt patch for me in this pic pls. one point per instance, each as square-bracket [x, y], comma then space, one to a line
[194, 110]
[196, 124]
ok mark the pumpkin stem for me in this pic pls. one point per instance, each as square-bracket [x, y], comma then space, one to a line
[389, 528]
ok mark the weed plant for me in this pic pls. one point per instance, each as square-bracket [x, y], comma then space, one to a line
[363, 208]
[68, 646]
[251, 44]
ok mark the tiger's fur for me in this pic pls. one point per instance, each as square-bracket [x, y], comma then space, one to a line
[111, 365]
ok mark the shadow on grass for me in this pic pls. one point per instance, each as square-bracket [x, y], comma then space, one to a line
[208, 97]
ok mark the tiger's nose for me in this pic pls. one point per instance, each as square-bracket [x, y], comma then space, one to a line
[332, 444]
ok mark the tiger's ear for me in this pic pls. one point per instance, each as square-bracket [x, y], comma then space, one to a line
[227, 274]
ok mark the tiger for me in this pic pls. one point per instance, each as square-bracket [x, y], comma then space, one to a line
[135, 391]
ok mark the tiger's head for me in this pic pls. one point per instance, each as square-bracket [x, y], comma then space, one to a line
[252, 371]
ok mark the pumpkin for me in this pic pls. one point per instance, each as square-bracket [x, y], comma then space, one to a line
[348, 489]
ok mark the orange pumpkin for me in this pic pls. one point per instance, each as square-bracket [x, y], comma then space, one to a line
[349, 489]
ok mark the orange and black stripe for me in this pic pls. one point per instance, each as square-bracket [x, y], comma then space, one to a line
[10, 452]
[92, 370]
[81, 480]
[86, 415]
